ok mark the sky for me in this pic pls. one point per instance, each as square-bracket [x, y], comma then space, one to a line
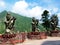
[31, 8]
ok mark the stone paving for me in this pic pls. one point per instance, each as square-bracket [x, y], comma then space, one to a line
[48, 41]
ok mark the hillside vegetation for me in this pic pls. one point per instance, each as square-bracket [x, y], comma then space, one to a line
[22, 23]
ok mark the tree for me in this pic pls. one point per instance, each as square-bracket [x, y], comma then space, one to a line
[53, 22]
[45, 19]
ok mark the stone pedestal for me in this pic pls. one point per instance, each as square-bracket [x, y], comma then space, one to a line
[37, 35]
[55, 33]
[12, 38]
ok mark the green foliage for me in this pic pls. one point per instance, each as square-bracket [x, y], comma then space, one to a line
[42, 29]
[2, 27]
[22, 23]
[54, 21]
[45, 19]
[49, 24]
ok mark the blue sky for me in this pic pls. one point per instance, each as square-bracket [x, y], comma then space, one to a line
[41, 3]
[31, 8]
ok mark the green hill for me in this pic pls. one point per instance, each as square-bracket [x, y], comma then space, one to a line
[22, 23]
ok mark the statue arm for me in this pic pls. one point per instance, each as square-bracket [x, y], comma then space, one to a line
[32, 23]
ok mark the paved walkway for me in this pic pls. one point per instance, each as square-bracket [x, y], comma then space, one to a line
[48, 41]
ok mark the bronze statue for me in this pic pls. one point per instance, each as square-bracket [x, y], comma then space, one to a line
[9, 22]
[37, 21]
[34, 24]
[8, 17]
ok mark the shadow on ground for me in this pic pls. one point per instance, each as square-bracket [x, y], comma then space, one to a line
[51, 42]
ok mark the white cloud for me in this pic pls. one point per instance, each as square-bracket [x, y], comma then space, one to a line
[58, 15]
[21, 7]
[36, 12]
[55, 10]
[33, 4]
[2, 4]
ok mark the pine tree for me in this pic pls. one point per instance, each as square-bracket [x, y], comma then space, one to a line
[45, 19]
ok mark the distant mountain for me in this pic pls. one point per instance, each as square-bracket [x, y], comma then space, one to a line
[22, 23]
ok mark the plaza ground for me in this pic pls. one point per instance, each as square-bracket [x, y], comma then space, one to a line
[48, 41]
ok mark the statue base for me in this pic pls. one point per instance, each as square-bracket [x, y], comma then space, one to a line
[55, 33]
[12, 38]
[8, 36]
[37, 35]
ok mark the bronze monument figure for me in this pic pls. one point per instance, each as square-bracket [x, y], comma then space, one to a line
[9, 23]
[34, 24]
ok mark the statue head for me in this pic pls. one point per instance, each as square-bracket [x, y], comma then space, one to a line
[8, 13]
[33, 19]
[8, 16]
